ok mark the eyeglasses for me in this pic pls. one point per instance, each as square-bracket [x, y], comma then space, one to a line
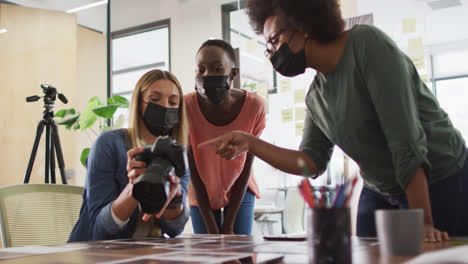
[270, 45]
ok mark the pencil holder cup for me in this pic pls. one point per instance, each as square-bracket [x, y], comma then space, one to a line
[329, 235]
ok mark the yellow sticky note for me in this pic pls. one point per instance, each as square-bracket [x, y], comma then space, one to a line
[287, 115]
[299, 129]
[251, 45]
[415, 45]
[300, 113]
[285, 85]
[262, 89]
[424, 78]
[299, 96]
[419, 62]
[409, 25]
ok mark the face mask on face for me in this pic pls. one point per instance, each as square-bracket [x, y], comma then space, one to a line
[160, 120]
[287, 63]
[215, 87]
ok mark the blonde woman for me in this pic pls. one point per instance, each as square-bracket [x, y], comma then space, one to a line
[109, 210]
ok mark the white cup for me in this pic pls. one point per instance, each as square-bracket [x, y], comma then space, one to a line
[400, 232]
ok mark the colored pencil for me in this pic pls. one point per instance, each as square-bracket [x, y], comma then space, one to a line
[341, 192]
[350, 192]
[305, 195]
[308, 189]
[322, 197]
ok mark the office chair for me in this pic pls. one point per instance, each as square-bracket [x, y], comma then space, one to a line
[38, 214]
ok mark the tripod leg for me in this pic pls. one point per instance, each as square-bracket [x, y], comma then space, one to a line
[58, 149]
[40, 129]
[47, 155]
[52, 158]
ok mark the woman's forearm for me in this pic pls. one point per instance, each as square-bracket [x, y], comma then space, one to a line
[205, 210]
[125, 204]
[201, 195]
[280, 158]
[238, 191]
[417, 193]
[171, 214]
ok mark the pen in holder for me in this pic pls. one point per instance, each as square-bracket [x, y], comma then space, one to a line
[328, 226]
[329, 235]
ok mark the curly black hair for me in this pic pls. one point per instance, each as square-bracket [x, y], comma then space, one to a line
[221, 44]
[321, 19]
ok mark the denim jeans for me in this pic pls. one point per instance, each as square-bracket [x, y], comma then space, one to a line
[244, 218]
[449, 203]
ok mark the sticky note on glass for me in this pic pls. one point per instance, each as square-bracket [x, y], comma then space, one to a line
[415, 45]
[419, 62]
[300, 113]
[285, 85]
[299, 96]
[251, 45]
[262, 89]
[287, 115]
[409, 25]
[424, 78]
[299, 129]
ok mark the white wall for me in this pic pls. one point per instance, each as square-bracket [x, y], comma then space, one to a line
[192, 23]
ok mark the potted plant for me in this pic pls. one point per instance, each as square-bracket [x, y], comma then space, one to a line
[95, 111]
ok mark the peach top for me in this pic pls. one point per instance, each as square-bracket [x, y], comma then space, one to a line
[217, 174]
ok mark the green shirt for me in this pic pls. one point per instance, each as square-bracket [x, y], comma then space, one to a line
[376, 108]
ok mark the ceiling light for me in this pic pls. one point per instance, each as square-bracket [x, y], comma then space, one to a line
[441, 4]
[80, 8]
[3, 30]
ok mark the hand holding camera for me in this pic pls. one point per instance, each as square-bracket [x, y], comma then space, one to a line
[154, 171]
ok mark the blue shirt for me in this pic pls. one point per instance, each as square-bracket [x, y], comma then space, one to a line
[106, 178]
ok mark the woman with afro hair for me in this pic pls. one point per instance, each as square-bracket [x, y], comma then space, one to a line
[368, 99]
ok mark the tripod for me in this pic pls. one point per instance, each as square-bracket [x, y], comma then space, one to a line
[52, 145]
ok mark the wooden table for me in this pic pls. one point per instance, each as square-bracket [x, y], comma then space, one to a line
[198, 248]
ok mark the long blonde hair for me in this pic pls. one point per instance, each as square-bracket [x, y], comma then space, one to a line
[179, 132]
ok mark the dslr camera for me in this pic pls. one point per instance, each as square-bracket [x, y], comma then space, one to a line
[163, 158]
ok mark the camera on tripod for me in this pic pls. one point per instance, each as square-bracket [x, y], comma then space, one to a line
[163, 158]
[52, 145]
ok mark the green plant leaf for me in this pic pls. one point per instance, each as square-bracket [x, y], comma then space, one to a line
[105, 111]
[110, 101]
[69, 120]
[60, 113]
[65, 112]
[84, 156]
[122, 101]
[88, 118]
[76, 126]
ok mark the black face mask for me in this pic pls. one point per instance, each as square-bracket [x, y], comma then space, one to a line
[215, 87]
[160, 120]
[287, 63]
